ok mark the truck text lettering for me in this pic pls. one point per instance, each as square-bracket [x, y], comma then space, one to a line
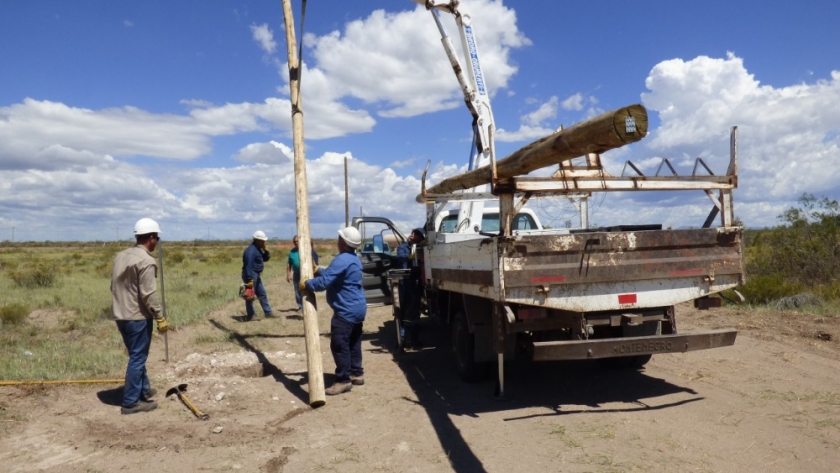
[642, 347]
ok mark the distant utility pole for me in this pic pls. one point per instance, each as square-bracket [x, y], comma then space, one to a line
[346, 196]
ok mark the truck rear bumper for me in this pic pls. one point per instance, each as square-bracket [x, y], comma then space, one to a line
[632, 346]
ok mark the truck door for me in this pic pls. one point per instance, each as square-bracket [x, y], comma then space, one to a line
[377, 253]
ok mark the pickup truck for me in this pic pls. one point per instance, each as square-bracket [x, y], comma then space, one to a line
[589, 293]
[606, 293]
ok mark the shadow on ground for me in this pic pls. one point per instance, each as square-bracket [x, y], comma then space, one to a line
[269, 369]
[111, 397]
[561, 388]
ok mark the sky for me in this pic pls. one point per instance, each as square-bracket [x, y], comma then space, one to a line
[180, 111]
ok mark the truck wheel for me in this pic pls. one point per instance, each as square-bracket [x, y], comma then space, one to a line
[625, 362]
[463, 345]
[398, 325]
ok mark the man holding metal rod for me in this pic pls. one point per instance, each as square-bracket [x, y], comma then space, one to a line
[134, 304]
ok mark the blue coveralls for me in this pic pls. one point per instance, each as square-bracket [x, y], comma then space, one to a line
[342, 280]
[253, 262]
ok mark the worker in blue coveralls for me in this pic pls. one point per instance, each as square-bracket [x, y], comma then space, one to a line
[253, 263]
[409, 257]
[342, 280]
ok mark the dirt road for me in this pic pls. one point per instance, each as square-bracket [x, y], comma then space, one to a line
[769, 403]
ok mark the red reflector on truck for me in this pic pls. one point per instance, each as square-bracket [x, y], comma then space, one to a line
[549, 279]
[627, 298]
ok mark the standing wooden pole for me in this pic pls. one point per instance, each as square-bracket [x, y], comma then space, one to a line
[310, 314]
[346, 196]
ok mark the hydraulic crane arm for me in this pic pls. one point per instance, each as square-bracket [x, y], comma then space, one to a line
[476, 98]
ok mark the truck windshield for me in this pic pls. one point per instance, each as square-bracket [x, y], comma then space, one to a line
[489, 222]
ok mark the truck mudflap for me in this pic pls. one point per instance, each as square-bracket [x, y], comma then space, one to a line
[633, 346]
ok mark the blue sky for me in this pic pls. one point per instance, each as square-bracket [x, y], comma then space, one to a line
[179, 111]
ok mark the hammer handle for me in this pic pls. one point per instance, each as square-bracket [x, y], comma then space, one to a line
[194, 409]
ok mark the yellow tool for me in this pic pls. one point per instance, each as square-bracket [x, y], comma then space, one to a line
[179, 390]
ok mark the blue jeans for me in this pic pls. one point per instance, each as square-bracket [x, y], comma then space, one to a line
[137, 336]
[346, 347]
[298, 295]
[259, 291]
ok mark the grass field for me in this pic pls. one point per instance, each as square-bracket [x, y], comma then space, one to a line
[55, 302]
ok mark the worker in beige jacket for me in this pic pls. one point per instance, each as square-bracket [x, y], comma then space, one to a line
[134, 303]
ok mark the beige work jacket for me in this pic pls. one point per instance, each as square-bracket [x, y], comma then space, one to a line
[133, 285]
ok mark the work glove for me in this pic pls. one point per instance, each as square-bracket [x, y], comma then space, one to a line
[249, 284]
[302, 285]
[162, 326]
[315, 268]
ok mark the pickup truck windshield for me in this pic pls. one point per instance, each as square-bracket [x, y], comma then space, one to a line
[489, 222]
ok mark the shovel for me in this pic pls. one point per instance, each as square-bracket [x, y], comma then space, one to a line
[179, 390]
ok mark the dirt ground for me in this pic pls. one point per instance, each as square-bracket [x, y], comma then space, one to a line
[771, 402]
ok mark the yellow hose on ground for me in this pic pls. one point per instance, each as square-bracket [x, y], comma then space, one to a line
[68, 381]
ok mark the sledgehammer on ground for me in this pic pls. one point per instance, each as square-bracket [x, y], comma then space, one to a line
[179, 390]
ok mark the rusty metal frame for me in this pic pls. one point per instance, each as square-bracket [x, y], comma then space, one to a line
[633, 346]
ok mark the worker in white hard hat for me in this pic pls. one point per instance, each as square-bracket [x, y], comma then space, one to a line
[134, 304]
[342, 280]
[253, 263]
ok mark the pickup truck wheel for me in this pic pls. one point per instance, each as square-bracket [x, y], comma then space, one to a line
[398, 326]
[463, 345]
[625, 362]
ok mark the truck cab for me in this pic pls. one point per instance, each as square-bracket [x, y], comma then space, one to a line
[525, 220]
[380, 239]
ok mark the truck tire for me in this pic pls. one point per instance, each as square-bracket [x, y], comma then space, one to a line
[624, 362]
[637, 361]
[463, 346]
[398, 326]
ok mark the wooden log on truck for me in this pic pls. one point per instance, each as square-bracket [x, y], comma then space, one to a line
[605, 132]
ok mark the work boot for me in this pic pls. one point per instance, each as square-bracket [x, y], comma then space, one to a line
[141, 406]
[357, 380]
[148, 395]
[338, 388]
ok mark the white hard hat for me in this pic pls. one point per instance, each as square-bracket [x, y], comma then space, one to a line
[351, 236]
[260, 235]
[144, 226]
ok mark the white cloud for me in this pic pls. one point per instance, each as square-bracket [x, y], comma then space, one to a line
[263, 35]
[410, 75]
[266, 153]
[574, 102]
[533, 125]
[788, 140]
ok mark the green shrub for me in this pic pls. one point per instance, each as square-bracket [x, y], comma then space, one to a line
[763, 289]
[39, 275]
[804, 252]
[13, 314]
[176, 257]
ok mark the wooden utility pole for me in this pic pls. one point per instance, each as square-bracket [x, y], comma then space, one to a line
[597, 135]
[310, 314]
[346, 196]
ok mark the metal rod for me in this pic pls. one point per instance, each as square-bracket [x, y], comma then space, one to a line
[163, 302]
[65, 381]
